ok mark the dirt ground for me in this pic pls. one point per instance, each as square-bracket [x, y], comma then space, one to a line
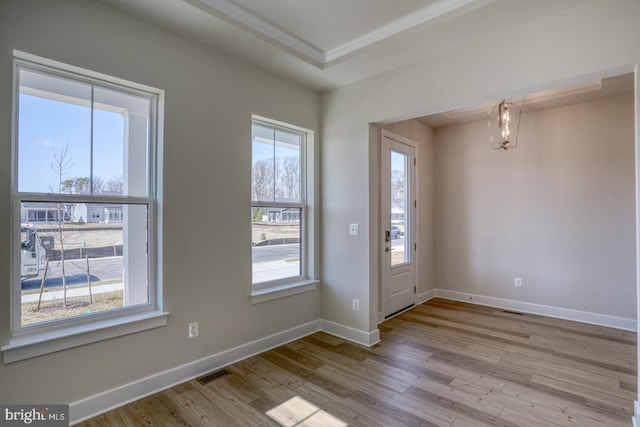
[104, 235]
[83, 235]
[271, 231]
[53, 310]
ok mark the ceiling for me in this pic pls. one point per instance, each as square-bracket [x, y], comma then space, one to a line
[325, 44]
[590, 91]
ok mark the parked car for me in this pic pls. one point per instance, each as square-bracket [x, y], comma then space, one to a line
[396, 232]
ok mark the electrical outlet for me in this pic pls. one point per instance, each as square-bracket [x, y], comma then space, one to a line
[194, 329]
[354, 229]
[356, 304]
[517, 282]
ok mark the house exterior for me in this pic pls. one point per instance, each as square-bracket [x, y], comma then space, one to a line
[45, 213]
[288, 215]
[86, 213]
[41, 212]
[397, 213]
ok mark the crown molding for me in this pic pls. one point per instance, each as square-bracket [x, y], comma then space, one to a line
[244, 19]
[419, 17]
[239, 17]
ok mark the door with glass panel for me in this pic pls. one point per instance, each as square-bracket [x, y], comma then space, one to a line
[397, 213]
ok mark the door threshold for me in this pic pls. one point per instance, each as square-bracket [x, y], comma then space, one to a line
[402, 310]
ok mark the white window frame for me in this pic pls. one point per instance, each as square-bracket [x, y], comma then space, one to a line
[306, 281]
[34, 340]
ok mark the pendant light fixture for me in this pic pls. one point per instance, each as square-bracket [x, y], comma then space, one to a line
[500, 133]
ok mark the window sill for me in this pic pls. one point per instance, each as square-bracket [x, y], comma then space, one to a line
[37, 344]
[281, 291]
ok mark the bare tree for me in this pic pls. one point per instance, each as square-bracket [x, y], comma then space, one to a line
[97, 185]
[262, 180]
[61, 165]
[115, 184]
[397, 184]
[289, 177]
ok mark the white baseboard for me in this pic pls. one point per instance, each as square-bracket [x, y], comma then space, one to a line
[545, 310]
[95, 405]
[351, 334]
[425, 296]
[636, 414]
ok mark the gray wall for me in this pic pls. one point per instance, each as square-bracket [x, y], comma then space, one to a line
[557, 211]
[209, 102]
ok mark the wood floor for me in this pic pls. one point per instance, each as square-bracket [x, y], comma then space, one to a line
[442, 363]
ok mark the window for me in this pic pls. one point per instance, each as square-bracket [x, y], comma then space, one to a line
[85, 150]
[278, 207]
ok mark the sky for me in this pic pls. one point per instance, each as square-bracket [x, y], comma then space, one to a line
[47, 125]
[398, 161]
[264, 147]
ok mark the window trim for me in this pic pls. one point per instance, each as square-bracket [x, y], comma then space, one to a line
[277, 288]
[48, 341]
[32, 340]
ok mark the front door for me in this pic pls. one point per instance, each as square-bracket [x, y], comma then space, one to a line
[397, 213]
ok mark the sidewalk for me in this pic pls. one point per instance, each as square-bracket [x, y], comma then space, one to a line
[271, 270]
[72, 292]
[263, 271]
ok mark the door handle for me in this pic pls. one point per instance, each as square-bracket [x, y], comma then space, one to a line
[387, 249]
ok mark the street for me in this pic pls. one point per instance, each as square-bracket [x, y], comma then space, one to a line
[102, 269]
[110, 268]
[275, 252]
[284, 252]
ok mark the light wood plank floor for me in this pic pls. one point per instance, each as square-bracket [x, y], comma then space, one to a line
[442, 363]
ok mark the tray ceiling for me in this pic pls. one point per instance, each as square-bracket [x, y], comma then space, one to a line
[324, 44]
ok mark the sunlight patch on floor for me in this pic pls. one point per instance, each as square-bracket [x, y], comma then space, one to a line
[297, 412]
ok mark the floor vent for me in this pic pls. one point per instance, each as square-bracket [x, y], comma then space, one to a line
[206, 379]
[512, 312]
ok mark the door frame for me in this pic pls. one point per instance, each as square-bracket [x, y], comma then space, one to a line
[414, 229]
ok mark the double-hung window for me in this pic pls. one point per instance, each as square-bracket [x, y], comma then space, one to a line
[85, 204]
[278, 209]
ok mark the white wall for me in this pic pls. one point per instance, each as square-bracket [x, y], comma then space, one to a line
[207, 255]
[600, 38]
[557, 211]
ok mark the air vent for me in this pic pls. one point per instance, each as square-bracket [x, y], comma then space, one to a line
[206, 379]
